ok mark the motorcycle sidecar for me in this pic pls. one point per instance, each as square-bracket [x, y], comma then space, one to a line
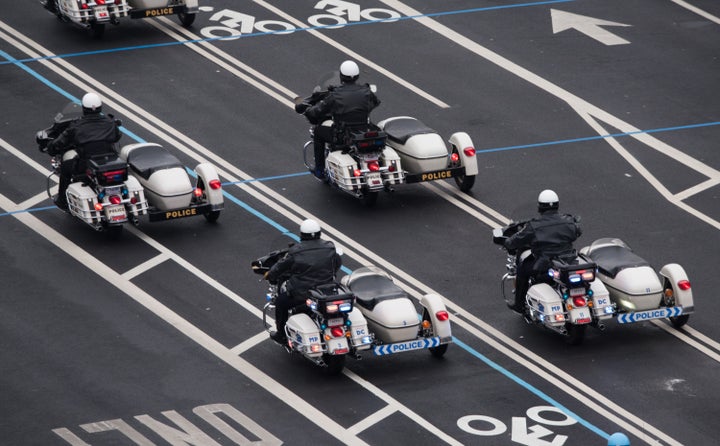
[638, 291]
[168, 187]
[392, 317]
[424, 155]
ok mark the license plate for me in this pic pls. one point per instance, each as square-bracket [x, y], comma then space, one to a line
[338, 346]
[334, 322]
[101, 13]
[580, 316]
[116, 213]
[373, 179]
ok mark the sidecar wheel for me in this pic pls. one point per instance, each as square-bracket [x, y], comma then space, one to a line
[575, 334]
[438, 351]
[679, 321]
[212, 216]
[335, 364]
[463, 182]
[186, 19]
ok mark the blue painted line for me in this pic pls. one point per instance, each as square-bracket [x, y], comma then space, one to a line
[593, 138]
[265, 33]
[531, 388]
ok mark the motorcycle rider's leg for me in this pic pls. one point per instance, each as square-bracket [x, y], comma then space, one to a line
[67, 169]
[282, 307]
[524, 272]
[322, 135]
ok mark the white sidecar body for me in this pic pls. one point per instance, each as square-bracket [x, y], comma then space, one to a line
[169, 189]
[393, 318]
[424, 154]
[638, 291]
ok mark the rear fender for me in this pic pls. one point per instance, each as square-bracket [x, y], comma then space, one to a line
[207, 172]
[462, 141]
[433, 303]
[675, 273]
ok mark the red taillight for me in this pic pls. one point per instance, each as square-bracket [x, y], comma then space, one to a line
[454, 157]
[84, 6]
[579, 301]
[215, 184]
[374, 166]
[371, 134]
[392, 168]
[100, 2]
[133, 200]
[98, 206]
[115, 199]
[198, 192]
[684, 285]
[442, 315]
[337, 332]
[357, 172]
[469, 151]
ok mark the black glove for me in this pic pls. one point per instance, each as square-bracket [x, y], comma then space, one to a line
[301, 107]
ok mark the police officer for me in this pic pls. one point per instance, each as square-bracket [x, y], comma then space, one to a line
[551, 235]
[307, 264]
[348, 104]
[94, 134]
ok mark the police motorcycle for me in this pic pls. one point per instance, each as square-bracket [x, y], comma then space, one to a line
[104, 196]
[155, 183]
[326, 328]
[367, 159]
[566, 299]
[95, 14]
[637, 292]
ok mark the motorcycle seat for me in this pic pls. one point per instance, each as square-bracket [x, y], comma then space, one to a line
[401, 129]
[613, 259]
[148, 159]
[370, 290]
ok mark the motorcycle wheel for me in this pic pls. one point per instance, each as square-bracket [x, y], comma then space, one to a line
[575, 333]
[369, 198]
[464, 182]
[97, 30]
[335, 364]
[186, 19]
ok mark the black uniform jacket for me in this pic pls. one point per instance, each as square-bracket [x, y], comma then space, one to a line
[307, 264]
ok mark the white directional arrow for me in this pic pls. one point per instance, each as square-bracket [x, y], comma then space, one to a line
[533, 436]
[589, 26]
[340, 8]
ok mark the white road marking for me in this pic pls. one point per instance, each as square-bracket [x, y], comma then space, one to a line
[145, 266]
[590, 26]
[697, 10]
[314, 415]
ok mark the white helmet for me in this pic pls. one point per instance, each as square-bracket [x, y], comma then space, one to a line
[91, 103]
[548, 200]
[349, 71]
[309, 230]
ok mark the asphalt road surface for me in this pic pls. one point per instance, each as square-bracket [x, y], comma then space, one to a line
[156, 337]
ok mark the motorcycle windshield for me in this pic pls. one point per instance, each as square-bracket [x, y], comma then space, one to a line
[331, 79]
[70, 112]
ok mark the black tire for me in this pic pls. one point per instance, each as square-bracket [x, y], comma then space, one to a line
[463, 182]
[212, 216]
[186, 19]
[97, 30]
[335, 364]
[679, 321]
[369, 198]
[575, 333]
[438, 351]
